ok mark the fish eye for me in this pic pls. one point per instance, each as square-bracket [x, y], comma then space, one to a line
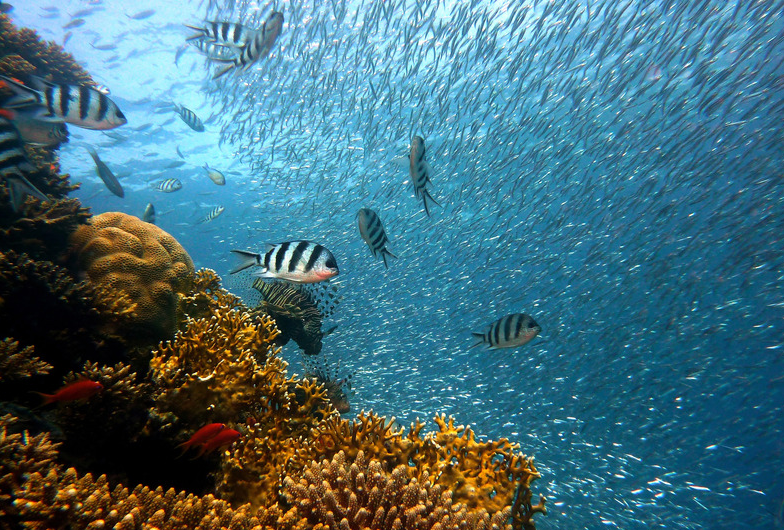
[119, 114]
[331, 263]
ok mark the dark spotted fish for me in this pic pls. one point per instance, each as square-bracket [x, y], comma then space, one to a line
[372, 232]
[508, 332]
[295, 261]
[14, 164]
[81, 105]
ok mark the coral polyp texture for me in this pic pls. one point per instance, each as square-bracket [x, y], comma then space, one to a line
[343, 495]
[122, 253]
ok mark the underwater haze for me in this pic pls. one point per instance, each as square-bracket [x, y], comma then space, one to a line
[615, 169]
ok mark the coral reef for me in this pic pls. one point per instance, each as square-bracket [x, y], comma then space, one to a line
[19, 364]
[37, 493]
[67, 322]
[342, 495]
[122, 253]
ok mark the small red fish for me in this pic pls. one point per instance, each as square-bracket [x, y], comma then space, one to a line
[203, 435]
[225, 437]
[81, 389]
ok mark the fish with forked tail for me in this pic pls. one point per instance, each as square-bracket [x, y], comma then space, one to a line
[508, 332]
[295, 261]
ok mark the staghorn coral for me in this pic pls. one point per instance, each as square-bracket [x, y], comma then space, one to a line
[124, 254]
[207, 296]
[19, 364]
[360, 494]
[36, 493]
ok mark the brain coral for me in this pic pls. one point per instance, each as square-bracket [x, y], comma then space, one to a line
[125, 254]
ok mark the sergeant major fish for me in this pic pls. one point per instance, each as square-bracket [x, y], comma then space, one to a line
[169, 185]
[372, 232]
[215, 212]
[82, 105]
[190, 118]
[295, 261]
[14, 164]
[256, 49]
[106, 175]
[222, 34]
[32, 131]
[420, 171]
[508, 332]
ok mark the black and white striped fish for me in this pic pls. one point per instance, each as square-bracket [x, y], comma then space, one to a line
[420, 171]
[190, 118]
[215, 212]
[14, 164]
[83, 106]
[295, 261]
[32, 131]
[222, 34]
[169, 185]
[149, 214]
[256, 49]
[508, 332]
[372, 231]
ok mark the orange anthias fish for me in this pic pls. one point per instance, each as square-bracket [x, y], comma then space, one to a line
[225, 437]
[202, 436]
[81, 389]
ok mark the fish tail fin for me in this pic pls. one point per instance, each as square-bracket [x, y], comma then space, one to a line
[384, 254]
[19, 187]
[425, 196]
[24, 96]
[46, 399]
[480, 339]
[249, 259]
[200, 32]
[224, 69]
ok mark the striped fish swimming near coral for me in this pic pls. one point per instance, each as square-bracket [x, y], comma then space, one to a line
[508, 332]
[169, 185]
[79, 105]
[295, 261]
[372, 232]
[14, 165]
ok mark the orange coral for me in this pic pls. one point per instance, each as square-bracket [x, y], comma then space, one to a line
[139, 259]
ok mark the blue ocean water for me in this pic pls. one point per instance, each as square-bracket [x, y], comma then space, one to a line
[613, 169]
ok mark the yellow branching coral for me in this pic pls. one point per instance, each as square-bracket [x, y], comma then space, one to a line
[37, 494]
[18, 364]
[127, 255]
[212, 369]
[361, 494]
[207, 296]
